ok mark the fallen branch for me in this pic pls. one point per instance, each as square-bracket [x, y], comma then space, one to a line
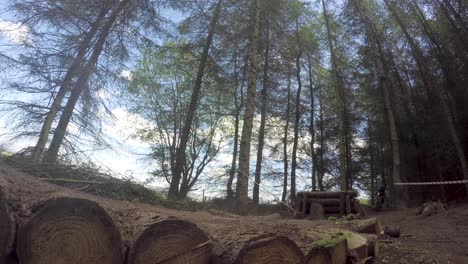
[70, 181]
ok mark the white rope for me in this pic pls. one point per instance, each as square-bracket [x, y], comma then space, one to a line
[432, 183]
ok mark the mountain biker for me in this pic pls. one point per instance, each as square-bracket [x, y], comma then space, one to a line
[380, 196]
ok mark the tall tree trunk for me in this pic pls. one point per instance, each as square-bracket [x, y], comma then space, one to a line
[383, 164]
[180, 157]
[65, 85]
[263, 113]
[341, 103]
[297, 121]
[312, 127]
[239, 106]
[285, 140]
[371, 160]
[440, 96]
[386, 86]
[81, 84]
[242, 185]
[322, 143]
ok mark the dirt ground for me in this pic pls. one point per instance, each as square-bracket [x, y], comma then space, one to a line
[442, 238]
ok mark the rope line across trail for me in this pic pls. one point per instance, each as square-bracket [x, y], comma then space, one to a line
[432, 183]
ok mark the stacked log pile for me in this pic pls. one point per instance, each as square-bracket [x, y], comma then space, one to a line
[57, 225]
[333, 203]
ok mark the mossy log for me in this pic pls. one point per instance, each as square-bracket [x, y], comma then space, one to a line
[331, 251]
[357, 246]
[72, 231]
[170, 241]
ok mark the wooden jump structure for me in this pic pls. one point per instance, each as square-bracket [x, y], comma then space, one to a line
[334, 203]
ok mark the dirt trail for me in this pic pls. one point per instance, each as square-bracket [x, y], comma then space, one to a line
[442, 238]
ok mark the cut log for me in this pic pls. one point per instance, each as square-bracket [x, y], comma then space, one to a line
[332, 209]
[72, 231]
[7, 227]
[316, 211]
[357, 246]
[356, 243]
[270, 249]
[373, 245]
[326, 195]
[331, 251]
[367, 226]
[393, 231]
[170, 241]
[325, 202]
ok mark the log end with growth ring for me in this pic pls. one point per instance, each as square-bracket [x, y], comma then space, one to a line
[69, 231]
[271, 250]
[171, 241]
[7, 227]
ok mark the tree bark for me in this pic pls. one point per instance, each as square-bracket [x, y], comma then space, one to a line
[239, 106]
[242, 185]
[81, 84]
[285, 141]
[69, 230]
[341, 103]
[169, 240]
[312, 127]
[7, 227]
[180, 158]
[322, 144]
[65, 86]
[297, 120]
[263, 114]
[371, 161]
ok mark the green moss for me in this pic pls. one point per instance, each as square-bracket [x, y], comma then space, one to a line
[341, 220]
[333, 240]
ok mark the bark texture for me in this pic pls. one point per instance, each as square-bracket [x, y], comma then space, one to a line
[242, 186]
[7, 227]
[344, 152]
[263, 116]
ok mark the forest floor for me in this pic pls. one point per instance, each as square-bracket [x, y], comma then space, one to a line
[441, 238]
[438, 239]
